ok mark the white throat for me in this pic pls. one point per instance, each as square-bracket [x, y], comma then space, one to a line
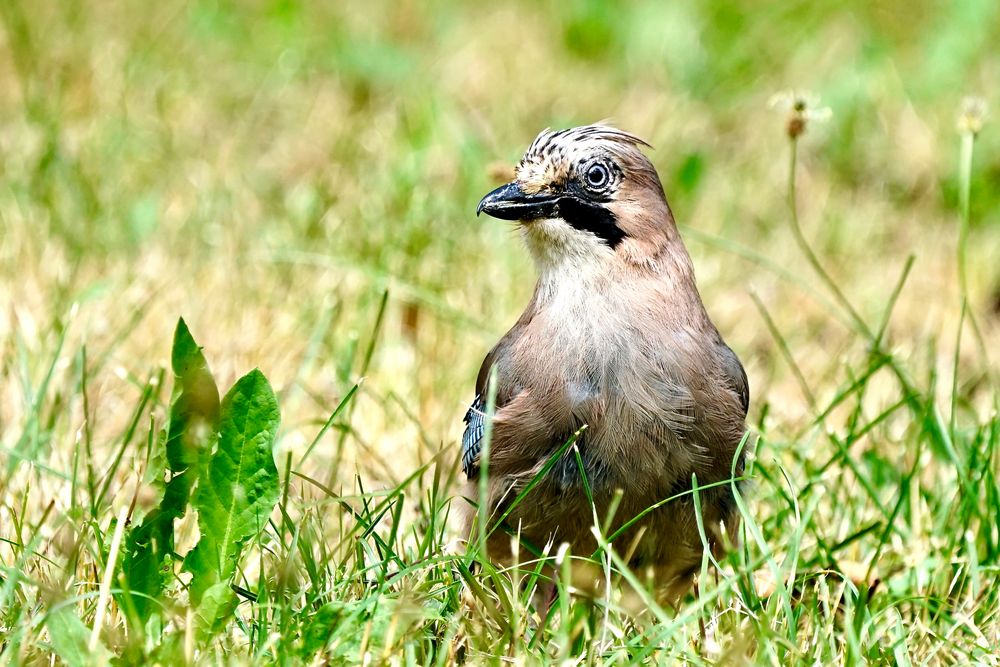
[565, 256]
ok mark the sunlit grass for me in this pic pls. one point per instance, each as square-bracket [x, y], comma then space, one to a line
[299, 183]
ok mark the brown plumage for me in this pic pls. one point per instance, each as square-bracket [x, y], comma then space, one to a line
[616, 338]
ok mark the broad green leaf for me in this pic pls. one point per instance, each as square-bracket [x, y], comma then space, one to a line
[236, 493]
[194, 412]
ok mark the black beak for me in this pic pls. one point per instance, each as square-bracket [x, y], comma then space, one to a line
[510, 202]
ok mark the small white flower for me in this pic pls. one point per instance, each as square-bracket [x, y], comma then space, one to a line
[801, 107]
[971, 115]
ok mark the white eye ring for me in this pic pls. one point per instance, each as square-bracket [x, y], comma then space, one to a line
[597, 176]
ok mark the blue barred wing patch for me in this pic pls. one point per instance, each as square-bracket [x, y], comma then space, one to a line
[472, 439]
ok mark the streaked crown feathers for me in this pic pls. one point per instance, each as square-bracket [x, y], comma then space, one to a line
[553, 155]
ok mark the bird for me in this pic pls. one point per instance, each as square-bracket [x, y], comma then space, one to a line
[616, 349]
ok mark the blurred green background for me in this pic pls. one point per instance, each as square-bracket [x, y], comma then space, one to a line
[264, 161]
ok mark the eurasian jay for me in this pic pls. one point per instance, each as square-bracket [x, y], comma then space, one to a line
[615, 338]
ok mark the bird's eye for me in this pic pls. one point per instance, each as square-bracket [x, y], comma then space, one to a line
[597, 176]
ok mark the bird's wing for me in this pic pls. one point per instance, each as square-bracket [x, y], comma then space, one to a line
[472, 439]
[475, 418]
[736, 377]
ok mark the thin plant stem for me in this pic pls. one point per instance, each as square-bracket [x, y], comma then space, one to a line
[965, 219]
[964, 191]
[807, 250]
[484, 462]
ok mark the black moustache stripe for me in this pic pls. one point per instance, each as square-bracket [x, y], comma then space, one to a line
[591, 217]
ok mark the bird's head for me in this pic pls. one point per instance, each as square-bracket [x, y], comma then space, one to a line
[585, 197]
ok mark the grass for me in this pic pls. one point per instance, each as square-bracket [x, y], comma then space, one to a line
[298, 182]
